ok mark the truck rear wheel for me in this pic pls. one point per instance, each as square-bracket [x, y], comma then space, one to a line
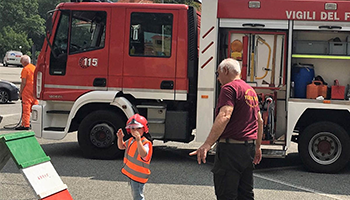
[96, 135]
[324, 147]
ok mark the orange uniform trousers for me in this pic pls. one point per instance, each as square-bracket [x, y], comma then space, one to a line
[28, 101]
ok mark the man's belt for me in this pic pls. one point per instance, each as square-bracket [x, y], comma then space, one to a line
[232, 141]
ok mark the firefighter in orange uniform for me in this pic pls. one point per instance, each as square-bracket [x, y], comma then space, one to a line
[26, 92]
[138, 154]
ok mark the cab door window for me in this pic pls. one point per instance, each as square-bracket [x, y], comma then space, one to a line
[88, 31]
[150, 34]
[58, 58]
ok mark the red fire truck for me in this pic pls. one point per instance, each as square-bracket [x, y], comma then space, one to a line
[103, 62]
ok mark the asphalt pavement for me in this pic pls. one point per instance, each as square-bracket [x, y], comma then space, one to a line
[11, 73]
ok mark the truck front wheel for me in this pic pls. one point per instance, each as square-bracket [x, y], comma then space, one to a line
[96, 135]
[324, 147]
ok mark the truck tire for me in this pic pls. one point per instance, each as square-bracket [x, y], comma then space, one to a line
[324, 147]
[96, 135]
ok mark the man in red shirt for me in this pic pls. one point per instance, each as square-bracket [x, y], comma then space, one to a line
[237, 128]
[26, 92]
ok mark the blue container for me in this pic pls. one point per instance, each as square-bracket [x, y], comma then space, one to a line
[302, 75]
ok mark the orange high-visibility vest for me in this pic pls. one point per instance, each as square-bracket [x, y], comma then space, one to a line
[135, 167]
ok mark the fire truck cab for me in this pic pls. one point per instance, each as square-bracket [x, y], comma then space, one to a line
[103, 62]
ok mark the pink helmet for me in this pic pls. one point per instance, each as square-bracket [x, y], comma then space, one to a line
[136, 121]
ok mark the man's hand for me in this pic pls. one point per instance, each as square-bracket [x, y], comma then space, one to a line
[201, 153]
[258, 156]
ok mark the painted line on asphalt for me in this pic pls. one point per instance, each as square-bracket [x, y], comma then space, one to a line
[297, 187]
[278, 168]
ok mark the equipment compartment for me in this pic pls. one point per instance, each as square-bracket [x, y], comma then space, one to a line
[310, 47]
[337, 48]
[331, 66]
[262, 55]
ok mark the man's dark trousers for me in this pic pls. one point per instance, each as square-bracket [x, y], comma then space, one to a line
[233, 171]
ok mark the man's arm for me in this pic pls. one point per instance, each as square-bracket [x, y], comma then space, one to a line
[23, 84]
[218, 127]
[258, 154]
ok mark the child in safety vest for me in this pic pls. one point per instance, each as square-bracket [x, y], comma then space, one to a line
[138, 154]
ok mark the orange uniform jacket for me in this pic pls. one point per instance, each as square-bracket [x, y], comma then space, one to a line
[28, 99]
[135, 167]
[28, 74]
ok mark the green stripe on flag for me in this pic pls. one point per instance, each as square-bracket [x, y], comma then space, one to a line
[24, 148]
[4, 155]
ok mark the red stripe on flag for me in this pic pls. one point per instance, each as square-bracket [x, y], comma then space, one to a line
[63, 195]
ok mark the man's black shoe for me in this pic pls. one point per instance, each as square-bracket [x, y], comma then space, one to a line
[22, 128]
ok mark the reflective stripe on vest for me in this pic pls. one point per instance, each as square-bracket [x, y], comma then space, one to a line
[136, 168]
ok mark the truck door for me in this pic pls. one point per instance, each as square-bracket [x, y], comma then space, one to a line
[150, 56]
[79, 58]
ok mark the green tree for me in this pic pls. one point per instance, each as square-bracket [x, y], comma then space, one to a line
[21, 24]
[48, 5]
[44, 7]
[12, 40]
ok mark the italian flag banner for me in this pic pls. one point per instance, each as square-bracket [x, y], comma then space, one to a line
[34, 164]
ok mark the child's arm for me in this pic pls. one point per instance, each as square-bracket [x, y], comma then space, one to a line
[121, 143]
[140, 148]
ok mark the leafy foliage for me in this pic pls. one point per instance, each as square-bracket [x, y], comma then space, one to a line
[12, 40]
[22, 24]
[48, 5]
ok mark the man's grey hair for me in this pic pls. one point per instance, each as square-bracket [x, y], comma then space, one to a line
[231, 64]
[26, 59]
